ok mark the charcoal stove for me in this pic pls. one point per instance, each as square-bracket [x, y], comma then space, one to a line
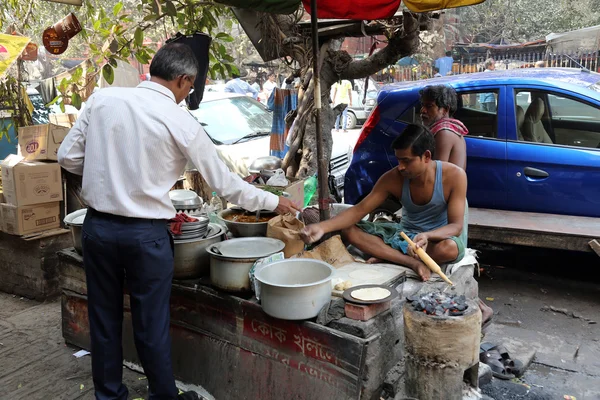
[441, 336]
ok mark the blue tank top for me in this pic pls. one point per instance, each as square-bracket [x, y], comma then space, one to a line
[417, 218]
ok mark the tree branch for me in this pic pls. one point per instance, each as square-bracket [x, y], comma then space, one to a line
[403, 42]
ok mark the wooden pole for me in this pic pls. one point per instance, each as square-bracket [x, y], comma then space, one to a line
[322, 165]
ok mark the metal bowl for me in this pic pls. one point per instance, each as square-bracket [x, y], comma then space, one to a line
[245, 229]
[74, 221]
[270, 162]
[185, 199]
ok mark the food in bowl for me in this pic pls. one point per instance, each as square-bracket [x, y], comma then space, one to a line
[247, 217]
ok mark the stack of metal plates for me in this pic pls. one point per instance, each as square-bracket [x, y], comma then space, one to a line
[193, 230]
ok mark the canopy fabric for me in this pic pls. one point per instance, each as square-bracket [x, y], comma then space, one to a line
[270, 6]
[11, 47]
[434, 5]
[355, 9]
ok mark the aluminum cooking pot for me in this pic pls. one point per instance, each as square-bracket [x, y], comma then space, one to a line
[296, 288]
[191, 259]
[74, 221]
[231, 260]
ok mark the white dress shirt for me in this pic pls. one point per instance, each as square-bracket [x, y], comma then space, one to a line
[131, 145]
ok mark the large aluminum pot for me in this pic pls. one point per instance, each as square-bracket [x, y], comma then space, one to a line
[231, 260]
[74, 221]
[245, 229]
[296, 288]
[191, 258]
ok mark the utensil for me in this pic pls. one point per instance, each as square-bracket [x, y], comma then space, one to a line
[74, 221]
[427, 260]
[191, 258]
[231, 260]
[244, 229]
[295, 289]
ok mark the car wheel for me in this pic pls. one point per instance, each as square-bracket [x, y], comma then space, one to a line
[386, 211]
[351, 123]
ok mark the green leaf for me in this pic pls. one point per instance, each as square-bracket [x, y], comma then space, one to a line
[97, 24]
[139, 36]
[93, 47]
[113, 62]
[62, 106]
[229, 24]
[139, 57]
[117, 8]
[76, 100]
[224, 37]
[62, 86]
[171, 10]
[108, 73]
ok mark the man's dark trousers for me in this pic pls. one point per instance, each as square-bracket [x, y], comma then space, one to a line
[139, 251]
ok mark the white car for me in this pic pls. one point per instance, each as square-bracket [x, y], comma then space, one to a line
[240, 127]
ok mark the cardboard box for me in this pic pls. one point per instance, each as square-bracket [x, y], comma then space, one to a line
[41, 142]
[296, 190]
[30, 182]
[30, 219]
[67, 120]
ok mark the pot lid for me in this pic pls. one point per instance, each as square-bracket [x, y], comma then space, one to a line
[250, 247]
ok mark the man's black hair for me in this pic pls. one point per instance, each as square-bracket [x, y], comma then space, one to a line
[443, 96]
[448, 53]
[417, 138]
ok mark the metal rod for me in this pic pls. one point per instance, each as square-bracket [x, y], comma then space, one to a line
[322, 165]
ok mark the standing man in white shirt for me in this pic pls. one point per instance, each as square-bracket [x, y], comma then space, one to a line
[269, 85]
[130, 145]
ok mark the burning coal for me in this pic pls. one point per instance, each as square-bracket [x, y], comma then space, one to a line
[439, 304]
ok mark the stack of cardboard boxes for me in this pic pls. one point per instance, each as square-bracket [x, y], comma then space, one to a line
[32, 182]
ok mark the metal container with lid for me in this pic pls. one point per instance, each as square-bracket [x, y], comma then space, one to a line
[231, 260]
[185, 200]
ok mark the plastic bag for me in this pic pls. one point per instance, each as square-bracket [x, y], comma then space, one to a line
[278, 179]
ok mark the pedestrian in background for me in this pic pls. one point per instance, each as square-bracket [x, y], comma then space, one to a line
[342, 98]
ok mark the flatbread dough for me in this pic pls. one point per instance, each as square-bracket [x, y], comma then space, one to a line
[370, 294]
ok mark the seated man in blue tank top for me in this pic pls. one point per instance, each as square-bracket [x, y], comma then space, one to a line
[433, 195]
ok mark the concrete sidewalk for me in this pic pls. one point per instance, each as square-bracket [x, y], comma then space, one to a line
[36, 364]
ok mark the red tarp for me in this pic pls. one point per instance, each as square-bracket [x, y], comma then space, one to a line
[355, 9]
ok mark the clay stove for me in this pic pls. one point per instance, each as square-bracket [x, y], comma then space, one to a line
[442, 335]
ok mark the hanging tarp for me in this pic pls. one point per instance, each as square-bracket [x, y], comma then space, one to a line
[356, 9]
[585, 39]
[11, 47]
[434, 5]
[270, 6]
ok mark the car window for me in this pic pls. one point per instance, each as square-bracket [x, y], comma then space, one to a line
[409, 116]
[227, 120]
[479, 112]
[555, 118]
[564, 108]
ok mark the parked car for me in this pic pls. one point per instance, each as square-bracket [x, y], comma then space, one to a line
[539, 151]
[240, 127]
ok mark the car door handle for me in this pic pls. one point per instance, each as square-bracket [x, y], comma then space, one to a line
[535, 173]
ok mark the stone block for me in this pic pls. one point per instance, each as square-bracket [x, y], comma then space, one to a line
[365, 312]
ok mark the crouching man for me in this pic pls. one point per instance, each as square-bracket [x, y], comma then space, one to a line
[433, 196]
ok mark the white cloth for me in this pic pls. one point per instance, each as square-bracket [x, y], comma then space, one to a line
[131, 145]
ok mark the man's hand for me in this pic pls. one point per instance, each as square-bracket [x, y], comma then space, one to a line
[421, 241]
[312, 233]
[286, 206]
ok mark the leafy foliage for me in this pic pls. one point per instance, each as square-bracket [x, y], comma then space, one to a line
[524, 20]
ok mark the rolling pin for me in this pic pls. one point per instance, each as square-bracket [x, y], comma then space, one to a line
[432, 265]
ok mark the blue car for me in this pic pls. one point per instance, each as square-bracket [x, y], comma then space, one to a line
[533, 143]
